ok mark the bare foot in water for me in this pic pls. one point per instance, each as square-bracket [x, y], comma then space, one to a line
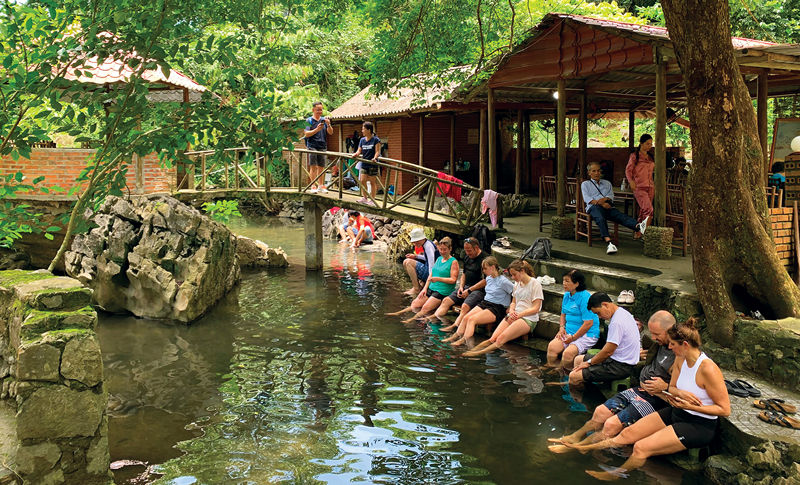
[559, 449]
[451, 338]
[407, 320]
[411, 292]
[458, 342]
[605, 476]
[394, 314]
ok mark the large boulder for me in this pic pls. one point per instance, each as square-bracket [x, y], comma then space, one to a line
[154, 257]
[253, 253]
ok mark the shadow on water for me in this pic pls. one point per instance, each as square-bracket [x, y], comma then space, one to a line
[299, 378]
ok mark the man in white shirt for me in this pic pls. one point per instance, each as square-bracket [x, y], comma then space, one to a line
[598, 194]
[617, 358]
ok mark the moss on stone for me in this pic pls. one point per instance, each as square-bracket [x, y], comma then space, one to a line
[15, 277]
[38, 321]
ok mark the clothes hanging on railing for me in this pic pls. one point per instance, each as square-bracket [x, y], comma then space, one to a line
[489, 203]
[449, 190]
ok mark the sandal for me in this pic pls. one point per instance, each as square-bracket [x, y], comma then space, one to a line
[784, 421]
[778, 405]
[751, 389]
[735, 390]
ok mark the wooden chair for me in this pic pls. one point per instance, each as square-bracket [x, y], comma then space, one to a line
[572, 190]
[583, 221]
[676, 217]
[774, 197]
[547, 196]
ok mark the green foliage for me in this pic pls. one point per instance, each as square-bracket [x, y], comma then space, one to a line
[222, 210]
[17, 219]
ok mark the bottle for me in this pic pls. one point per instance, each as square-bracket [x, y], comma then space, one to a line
[624, 184]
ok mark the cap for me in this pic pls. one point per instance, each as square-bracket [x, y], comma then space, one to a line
[417, 234]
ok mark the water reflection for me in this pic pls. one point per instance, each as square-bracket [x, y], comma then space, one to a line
[299, 378]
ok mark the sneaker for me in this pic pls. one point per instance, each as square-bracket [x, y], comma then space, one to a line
[323, 190]
[611, 248]
[313, 191]
[642, 226]
[629, 298]
[623, 297]
[363, 200]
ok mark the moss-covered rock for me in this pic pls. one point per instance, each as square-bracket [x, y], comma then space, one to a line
[658, 242]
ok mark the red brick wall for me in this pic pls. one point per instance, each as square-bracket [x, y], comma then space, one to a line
[61, 166]
[782, 233]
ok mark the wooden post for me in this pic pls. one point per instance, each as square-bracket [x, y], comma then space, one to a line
[188, 169]
[482, 150]
[138, 163]
[561, 118]
[492, 132]
[236, 169]
[258, 170]
[518, 158]
[203, 171]
[452, 144]
[526, 159]
[762, 121]
[631, 130]
[312, 223]
[421, 195]
[583, 135]
[660, 202]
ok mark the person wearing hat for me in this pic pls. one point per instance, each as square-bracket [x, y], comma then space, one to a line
[420, 265]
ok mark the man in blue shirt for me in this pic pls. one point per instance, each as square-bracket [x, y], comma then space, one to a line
[316, 134]
[598, 194]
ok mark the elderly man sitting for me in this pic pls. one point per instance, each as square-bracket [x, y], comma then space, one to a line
[598, 194]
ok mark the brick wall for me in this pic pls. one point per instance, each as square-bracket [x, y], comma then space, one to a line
[783, 234]
[61, 166]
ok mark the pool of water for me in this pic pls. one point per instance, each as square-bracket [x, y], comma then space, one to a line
[298, 377]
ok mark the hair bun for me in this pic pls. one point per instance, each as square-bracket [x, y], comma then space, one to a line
[691, 322]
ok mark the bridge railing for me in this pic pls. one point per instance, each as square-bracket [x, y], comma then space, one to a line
[239, 168]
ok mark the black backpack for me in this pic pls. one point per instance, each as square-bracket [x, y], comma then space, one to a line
[485, 237]
[540, 249]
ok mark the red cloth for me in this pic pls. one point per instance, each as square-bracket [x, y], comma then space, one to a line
[449, 190]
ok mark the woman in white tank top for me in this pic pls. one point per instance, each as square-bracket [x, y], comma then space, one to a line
[698, 397]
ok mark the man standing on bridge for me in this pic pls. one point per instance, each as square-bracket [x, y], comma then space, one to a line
[316, 135]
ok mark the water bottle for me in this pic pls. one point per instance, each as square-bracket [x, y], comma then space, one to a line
[624, 184]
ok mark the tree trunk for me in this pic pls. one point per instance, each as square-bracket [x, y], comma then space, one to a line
[728, 218]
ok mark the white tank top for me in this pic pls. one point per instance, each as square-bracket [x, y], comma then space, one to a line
[687, 381]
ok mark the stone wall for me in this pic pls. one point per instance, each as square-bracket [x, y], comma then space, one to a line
[52, 377]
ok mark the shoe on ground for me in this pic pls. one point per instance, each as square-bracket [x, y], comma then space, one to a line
[611, 248]
[313, 191]
[629, 298]
[362, 200]
[623, 297]
[323, 190]
[642, 226]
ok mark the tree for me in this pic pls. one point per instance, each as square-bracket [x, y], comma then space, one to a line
[728, 217]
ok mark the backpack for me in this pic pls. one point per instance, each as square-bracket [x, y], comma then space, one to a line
[485, 237]
[540, 249]
[348, 182]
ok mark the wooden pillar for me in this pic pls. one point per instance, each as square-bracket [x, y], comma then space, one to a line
[518, 161]
[583, 138]
[660, 201]
[452, 144]
[186, 170]
[632, 130]
[138, 163]
[340, 137]
[526, 157]
[482, 152]
[312, 223]
[762, 121]
[421, 139]
[561, 149]
[492, 131]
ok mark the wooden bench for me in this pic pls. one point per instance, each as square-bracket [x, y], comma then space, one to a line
[548, 197]
[676, 217]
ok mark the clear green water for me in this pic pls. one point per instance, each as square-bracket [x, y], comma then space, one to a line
[299, 378]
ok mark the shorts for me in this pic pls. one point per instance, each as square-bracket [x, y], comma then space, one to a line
[317, 159]
[584, 343]
[369, 169]
[607, 371]
[531, 323]
[498, 310]
[471, 300]
[692, 431]
[367, 235]
[422, 271]
[631, 405]
[434, 294]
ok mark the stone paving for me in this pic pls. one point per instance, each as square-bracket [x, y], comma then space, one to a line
[745, 416]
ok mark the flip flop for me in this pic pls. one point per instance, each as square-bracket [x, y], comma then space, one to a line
[779, 419]
[778, 405]
[734, 389]
[751, 389]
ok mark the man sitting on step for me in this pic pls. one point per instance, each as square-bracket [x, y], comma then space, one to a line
[619, 355]
[630, 405]
[598, 194]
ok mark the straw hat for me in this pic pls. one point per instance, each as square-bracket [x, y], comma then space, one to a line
[417, 234]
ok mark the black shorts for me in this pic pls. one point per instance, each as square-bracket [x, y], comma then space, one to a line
[369, 169]
[317, 159]
[607, 371]
[631, 405]
[434, 294]
[498, 310]
[471, 300]
[693, 431]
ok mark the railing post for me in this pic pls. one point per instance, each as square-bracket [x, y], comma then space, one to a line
[225, 164]
[429, 202]
[203, 169]
[386, 187]
[341, 175]
[258, 172]
[236, 169]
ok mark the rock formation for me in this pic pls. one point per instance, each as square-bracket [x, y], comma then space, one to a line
[253, 253]
[154, 257]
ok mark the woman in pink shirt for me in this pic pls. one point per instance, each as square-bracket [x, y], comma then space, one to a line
[639, 172]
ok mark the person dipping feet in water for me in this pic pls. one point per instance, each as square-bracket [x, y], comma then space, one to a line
[697, 397]
[630, 405]
[470, 288]
[493, 307]
[523, 314]
[419, 265]
[442, 281]
[580, 328]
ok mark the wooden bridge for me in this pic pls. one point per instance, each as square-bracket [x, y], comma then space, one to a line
[239, 170]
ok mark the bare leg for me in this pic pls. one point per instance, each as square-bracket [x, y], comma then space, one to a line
[411, 268]
[465, 309]
[428, 305]
[661, 442]
[554, 349]
[480, 318]
[399, 312]
[641, 429]
[505, 333]
[443, 308]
